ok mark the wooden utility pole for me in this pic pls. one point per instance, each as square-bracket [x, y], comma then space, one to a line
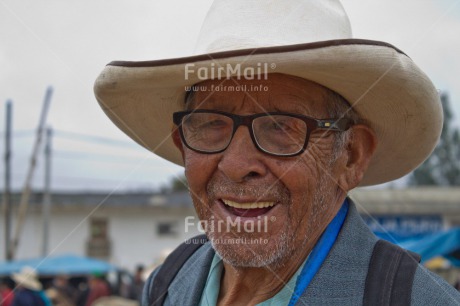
[47, 193]
[7, 190]
[24, 202]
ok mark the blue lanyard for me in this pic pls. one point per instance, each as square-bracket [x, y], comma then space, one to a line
[319, 253]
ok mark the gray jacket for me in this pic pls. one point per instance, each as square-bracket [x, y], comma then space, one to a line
[339, 281]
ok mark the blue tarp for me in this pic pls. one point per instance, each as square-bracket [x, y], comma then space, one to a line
[403, 227]
[438, 244]
[64, 264]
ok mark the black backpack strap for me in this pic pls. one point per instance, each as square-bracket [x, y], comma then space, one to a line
[390, 275]
[171, 266]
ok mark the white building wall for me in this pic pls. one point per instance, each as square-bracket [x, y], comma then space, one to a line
[67, 234]
[30, 240]
[132, 233]
[135, 239]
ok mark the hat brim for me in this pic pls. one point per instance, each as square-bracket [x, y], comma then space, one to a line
[27, 281]
[382, 84]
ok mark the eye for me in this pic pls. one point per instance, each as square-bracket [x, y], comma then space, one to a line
[205, 121]
[216, 123]
[280, 125]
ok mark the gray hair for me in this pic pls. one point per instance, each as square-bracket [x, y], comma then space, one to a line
[338, 107]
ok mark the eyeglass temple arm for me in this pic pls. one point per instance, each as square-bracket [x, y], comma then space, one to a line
[342, 124]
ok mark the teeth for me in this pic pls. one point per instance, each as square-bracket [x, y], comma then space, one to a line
[248, 205]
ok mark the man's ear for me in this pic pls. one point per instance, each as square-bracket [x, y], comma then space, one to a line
[177, 140]
[359, 151]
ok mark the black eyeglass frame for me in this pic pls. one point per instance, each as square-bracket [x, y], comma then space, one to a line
[336, 125]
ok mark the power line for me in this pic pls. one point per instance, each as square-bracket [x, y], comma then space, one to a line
[69, 135]
[19, 133]
[94, 139]
[87, 180]
[90, 156]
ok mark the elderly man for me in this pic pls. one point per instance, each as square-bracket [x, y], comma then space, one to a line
[279, 115]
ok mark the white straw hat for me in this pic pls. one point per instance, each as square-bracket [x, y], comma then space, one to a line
[27, 278]
[310, 39]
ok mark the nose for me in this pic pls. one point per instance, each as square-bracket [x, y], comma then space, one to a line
[242, 161]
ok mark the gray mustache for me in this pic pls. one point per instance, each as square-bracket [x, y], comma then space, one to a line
[219, 187]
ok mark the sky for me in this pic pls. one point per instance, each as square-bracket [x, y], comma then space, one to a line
[66, 44]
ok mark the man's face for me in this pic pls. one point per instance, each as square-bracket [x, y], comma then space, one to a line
[298, 195]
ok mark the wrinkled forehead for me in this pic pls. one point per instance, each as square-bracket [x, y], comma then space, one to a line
[278, 92]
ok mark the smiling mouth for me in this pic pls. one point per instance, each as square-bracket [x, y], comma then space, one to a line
[249, 209]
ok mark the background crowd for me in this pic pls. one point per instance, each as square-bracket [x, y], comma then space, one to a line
[27, 288]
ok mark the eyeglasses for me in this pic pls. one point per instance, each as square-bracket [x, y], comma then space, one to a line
[274, 133]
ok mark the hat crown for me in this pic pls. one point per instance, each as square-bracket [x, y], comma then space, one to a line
[242, 24]
[29, 272]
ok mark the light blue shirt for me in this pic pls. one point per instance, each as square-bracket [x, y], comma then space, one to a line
[212, 287]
